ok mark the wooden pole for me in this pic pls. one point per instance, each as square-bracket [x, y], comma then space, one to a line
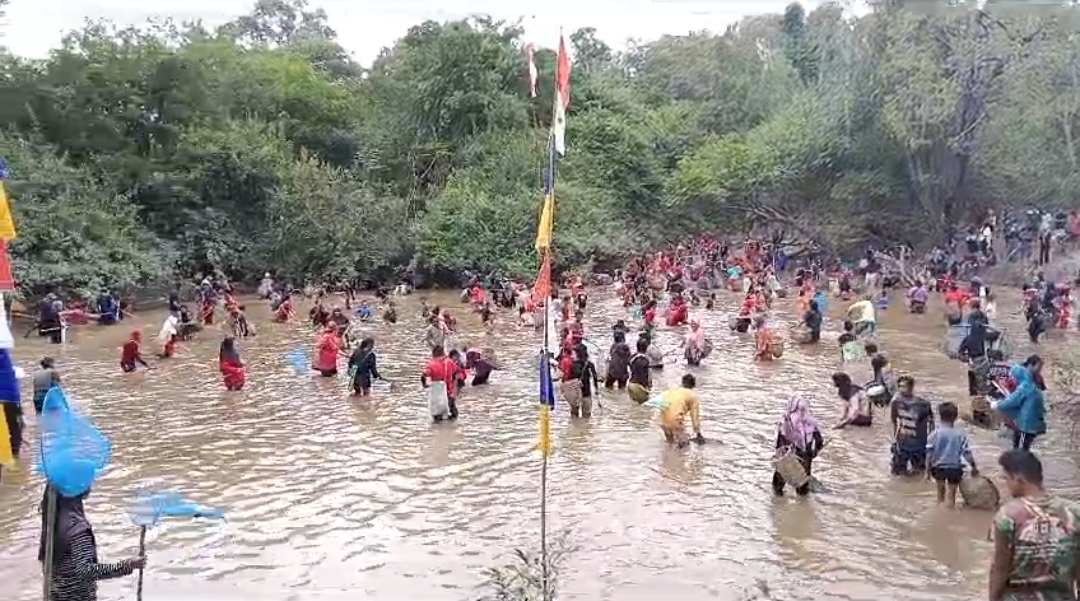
[50, 541]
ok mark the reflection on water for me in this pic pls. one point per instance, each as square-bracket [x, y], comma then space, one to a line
[330, 497]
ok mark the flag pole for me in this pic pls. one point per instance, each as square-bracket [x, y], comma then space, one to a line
[545, 447]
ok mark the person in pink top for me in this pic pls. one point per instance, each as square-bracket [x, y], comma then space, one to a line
[694, 344]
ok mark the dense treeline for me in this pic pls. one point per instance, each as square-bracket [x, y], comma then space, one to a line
[144, 155]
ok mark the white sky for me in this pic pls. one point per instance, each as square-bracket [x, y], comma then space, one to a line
[33, 27]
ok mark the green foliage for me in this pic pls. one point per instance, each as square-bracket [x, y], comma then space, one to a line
[152, 154]
[73, 230]
[523, 579]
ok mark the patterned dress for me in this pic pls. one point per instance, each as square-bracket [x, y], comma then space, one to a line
[1045, 542]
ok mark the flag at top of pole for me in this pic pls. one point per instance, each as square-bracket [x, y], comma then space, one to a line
[562, 97]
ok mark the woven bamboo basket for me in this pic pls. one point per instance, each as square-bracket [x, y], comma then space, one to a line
[800, 335]
[707, 350]
[776, 347]
[980, 492]
[638, 393]
[787, 464]
[570, 391]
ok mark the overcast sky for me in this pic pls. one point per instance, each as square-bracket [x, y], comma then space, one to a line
[32, 27]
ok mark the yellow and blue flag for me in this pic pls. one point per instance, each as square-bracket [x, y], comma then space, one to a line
[546, 224]
[547, 403]
[7, 223]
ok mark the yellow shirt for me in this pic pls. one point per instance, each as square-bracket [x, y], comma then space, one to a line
[680, 403]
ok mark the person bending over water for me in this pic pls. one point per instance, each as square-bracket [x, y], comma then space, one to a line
[682, 402]
[856, 409]
[1025, 406]
[130, 354]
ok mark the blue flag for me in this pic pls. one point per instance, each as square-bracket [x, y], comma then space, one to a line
[547, 386]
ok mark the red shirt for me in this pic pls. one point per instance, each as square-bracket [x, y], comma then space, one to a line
[956, 297]
[444, 369]
[650, 315]
[130, 352]
[566, 366]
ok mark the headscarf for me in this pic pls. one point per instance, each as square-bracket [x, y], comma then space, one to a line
[798, 424]
[70, 522]
[696, 336]
[228, 352]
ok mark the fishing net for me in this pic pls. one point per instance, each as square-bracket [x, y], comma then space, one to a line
[73, 451]
[151, 507]
[659, 402]
[298, 359]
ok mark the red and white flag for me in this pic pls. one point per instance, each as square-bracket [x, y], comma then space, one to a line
[562, 97]
[534, 74]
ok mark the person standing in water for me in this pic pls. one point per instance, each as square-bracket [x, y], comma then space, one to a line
[618, 362]
[230, 365]
[45, 378]
[1025, 406]
[75, 565]
[1036, 541]
[362, 368]
[640, 373]
[912, 420]
[327, 347]
[584, 371]
[441, 368]
[682, 402]
[947, 449]
[798, 431]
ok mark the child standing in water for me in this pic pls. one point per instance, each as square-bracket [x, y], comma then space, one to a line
[946, 451]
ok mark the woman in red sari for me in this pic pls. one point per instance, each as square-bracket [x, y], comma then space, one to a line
[327, 347]
[232, 369]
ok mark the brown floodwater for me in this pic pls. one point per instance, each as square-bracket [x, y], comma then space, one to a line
[333, 498]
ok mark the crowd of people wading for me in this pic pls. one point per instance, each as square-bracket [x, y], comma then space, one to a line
[1035, 535]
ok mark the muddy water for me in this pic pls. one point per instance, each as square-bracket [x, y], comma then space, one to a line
[332, 498]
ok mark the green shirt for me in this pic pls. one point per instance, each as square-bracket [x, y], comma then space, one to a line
[1045, 541]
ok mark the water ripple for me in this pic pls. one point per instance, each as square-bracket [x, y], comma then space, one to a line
[330, 497]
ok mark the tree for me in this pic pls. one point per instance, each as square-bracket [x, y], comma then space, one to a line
[263, 145]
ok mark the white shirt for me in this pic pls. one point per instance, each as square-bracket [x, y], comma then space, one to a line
[864, 309]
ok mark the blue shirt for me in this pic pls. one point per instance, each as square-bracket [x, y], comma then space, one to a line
[947, 447]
